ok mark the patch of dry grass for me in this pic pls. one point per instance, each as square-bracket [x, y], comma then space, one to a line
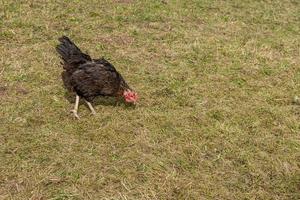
[215, 120]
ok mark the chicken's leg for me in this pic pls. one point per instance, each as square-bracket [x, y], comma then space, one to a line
[74, 111]
[90, 107]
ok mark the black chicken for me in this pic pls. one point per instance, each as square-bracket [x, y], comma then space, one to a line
[89, 77]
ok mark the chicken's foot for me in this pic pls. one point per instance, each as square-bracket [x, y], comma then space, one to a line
[90, 107]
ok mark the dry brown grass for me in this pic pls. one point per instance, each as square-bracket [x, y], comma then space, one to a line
[215, 119]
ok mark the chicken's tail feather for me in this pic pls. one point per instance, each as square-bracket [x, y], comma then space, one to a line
[71, 54]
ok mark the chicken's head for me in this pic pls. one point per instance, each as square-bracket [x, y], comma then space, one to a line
[130, 96]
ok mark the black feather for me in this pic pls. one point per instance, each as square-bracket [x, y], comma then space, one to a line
[88, 77]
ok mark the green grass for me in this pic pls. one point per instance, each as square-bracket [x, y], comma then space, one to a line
[216, 81]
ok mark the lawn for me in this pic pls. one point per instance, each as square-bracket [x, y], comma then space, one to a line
[215, 120]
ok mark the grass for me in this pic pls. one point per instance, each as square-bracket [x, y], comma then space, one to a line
[216, 81]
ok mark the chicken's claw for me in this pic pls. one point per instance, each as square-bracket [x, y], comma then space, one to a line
[75, 114]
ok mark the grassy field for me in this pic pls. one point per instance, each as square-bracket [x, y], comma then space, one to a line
[216, 118]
